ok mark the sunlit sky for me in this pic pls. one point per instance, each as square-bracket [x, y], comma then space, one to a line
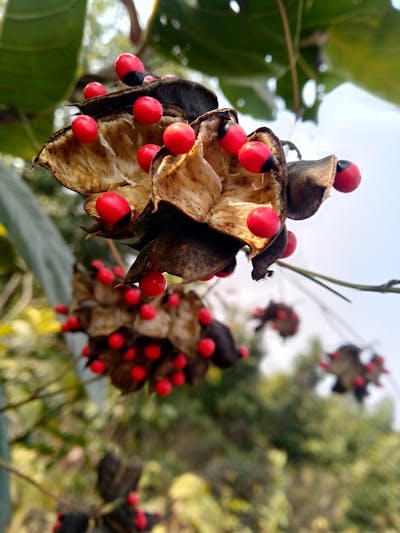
[354, 237]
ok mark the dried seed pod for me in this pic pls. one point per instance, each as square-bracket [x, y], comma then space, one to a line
[280, 316]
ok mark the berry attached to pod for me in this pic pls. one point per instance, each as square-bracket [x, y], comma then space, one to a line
[133, 498]
[85, 129]
[149, 78]
[116, 341]
[205, 316]
[255, 156]
[130, 354]
[263, 222]
[85, 352]
[180, 361]
[231, 137]
[173, 300]
[93, 89]
[152, 352]
[132, 296]
[145, 156]
[206, 347]
[359, 381]
[147, 110]
[291, 244]
[163, 387]
[97, 366]
[61, 309]
[152, 284]
[178, 378]
[105, 275]
[179, 137]
[129, 69]
[147, 312]
[244, 352]
[141, 521]
[113, 208]
[348, 176]
[138, 373]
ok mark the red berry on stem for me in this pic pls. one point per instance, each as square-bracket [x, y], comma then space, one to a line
[147, 311]
[62, 309]
[133, 498]
[73, 323]
[244, 352]
[130, 354]
[178, 378]
[179, 137]
[147, 110]
[93, 89]
[231, 137]
[152, 352]
[163, 387]
[97, 366]
[116, 341]
[206, 347]
[132, 296]
[205, 316]
[145, 156]
[138, 373]
[65, 327]
[348, 176]
[152, 284]
[174, 300]
[85, 129]
[119, 271]
[112, 207]
[263, 222]
[180, 361]
[129, 69]
[105, 275]
[291, 244]
[141, 520]
[255, 156]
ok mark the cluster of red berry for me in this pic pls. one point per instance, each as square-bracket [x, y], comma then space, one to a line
[280, 316]
[145, 332]
[352, 374]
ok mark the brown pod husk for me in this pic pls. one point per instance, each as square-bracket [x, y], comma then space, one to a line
[282, 318]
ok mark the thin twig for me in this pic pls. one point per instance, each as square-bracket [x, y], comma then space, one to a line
[9, 288]
[389, 286]
[115, 253]
[291, 56]
[136, 31]
[26, 297]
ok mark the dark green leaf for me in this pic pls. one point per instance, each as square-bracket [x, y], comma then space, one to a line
[23, 138]
[5, 501]
[254, 99]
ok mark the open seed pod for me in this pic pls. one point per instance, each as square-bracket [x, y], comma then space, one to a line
[153, 340]
[280, 316]
[189, 213]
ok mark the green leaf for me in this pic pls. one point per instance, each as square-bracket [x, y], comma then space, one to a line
[38, 241]
[254, 99]
[24, 137]
[5, 501]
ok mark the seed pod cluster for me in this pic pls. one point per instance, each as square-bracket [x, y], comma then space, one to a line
[280, 316]
[352, 374]
[164, 340]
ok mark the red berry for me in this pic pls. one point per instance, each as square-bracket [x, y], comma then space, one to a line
[205, 316]
[62, 309]
[152, 352]
[145, 156]
[132, 296]
[206, 278]
[334, 355]
[257, 312]
[84, 128]
[323, 364]
[147, 311]
[206, 347]
[97, 264]
[291, 244]
[65, 327]
[244, 352]
[119, 271]
[168, 77]
[370, 367]
[73, 323]
[178, 378]
[163, 387]
[281, 314]
[141, 520]
[379, 360]
[85, 350]
[179, 137]
[130, 354]
[180, 361]
[133, 498]
[105, 275]
[263, 222]
[152, 284]
[231, 137]
[97, 366]
[359, 381]
[138, 373]
[348, 176]
[112, 207]
[129, 69]
[93, 89]
[149, 78]
[116, 341]
[56, 526]
[147, 110]
[255, 156]
[174, 300]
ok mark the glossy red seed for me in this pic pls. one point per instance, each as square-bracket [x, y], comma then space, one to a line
[65, 327]
[223, 274]
[334, 355]
[291, 244]
[379, 360]
[129, 69]
[145, 155]
[232, 138]
[149, 78]
[152, 352]
[323, 364]
[178, 378]
[174, 300]
[73, 323]
[206, 278]
[119, 271]
[85, 129]
[132, 296]
[370, 367]
[141, 520]
[147, 110]
[61, 309]
[133, 498]
[359, 381]
[206, 347]
[147, 311]
[180, 361]
[163, 387]
[263, 222]
[94, 88]
[281, 314]
[138, 373]
[244, 352]
[255, 156]
[348, 176]
[205, 316]
[97, 264]
[106, 276]
[85, 350]
[152, 284]
[112, 207]
[179, 137]
[97, 366]
[116, 341]
[130, 354]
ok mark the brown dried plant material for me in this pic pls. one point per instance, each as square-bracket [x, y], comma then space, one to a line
[280, 316]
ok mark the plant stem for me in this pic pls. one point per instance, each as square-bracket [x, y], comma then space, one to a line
[115, 253]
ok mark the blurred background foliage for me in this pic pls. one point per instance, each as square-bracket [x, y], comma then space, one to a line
[241, 452]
